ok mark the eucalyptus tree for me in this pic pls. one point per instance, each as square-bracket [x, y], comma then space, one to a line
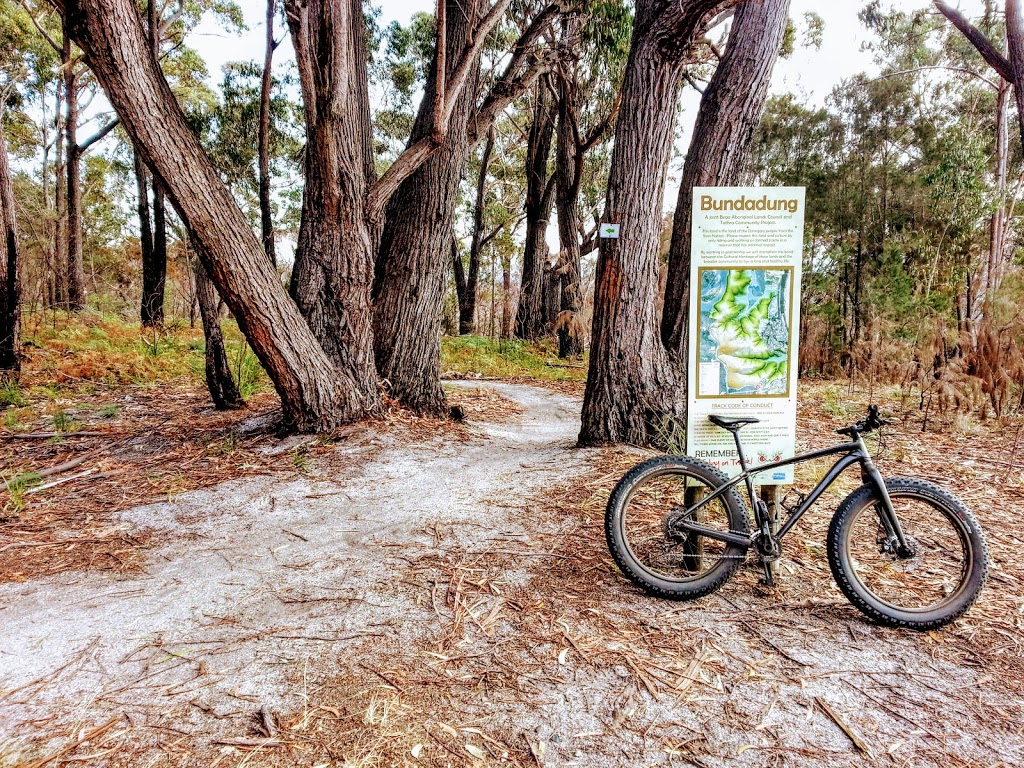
[730, 110]
[10, 282]
[634, 387]
[77, 85]
[415, 248]
[540, 197]
[593, 46]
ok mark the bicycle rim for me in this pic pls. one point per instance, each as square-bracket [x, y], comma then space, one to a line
[934, 576]
[651, 525]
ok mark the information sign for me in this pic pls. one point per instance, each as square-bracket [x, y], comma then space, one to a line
[744, 323]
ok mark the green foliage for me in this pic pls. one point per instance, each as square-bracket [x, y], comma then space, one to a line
[472, 355]
[11, 394]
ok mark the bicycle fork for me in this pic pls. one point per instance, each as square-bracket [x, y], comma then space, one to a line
[886, 512]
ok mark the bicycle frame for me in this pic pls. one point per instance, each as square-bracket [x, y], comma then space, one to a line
[855, 452]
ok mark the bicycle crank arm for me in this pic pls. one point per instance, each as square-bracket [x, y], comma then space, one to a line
[711, 533]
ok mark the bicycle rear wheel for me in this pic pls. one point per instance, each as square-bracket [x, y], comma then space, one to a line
[644, 527]
[925, 589]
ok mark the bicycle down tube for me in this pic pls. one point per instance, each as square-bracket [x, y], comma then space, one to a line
[856, 453]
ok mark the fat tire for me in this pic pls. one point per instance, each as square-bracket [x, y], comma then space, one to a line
[877, 609]
[634, 569]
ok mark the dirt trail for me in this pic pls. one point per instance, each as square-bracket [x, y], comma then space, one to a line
[447, 601]
[253, 568]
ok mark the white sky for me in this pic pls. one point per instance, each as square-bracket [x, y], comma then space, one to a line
[812, 73]
[809, 73]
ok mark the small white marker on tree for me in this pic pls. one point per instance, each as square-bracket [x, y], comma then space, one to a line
[610, 231]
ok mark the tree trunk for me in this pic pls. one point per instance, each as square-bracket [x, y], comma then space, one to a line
[75, 262]
[506, 299]
[730, 112]
[266, 211]
[467, 299]
[10, 284]
[219, 381]
[415, 245]
[529, 316]
[634, 392]
[154, 278]
[145, 240]
[315, 394]
[333, 269]
[552, 298]
[568, 172]
[59, 274]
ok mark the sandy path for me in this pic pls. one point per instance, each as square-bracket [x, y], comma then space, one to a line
[424, 586]
[253, 568]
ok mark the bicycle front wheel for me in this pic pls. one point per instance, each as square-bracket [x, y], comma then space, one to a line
[925, 588]
[645, 527]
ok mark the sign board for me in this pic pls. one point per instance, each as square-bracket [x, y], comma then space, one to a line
[744, 324]
[610, 231]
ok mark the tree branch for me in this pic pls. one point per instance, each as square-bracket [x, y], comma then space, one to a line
[461, 74]
[995, 59]
[511, 84]
[961, 70]
[39, 28]
[602, 128]
[99, 135]
[440, 119]
[407, 163]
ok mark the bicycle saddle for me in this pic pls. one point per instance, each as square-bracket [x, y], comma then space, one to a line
[732, 423]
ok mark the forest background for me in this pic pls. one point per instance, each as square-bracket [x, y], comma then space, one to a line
[913, 171]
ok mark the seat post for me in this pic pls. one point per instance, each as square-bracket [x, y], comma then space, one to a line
[739, 449]
[743, 466]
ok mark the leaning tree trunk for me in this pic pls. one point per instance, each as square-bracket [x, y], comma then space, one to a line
[730, 111]
[75, 263]
[219, 380]
[529, 315]
[333, 270]
[315, 394]
[415, 245]
[10, 284]
[634, 392]
[266, 210]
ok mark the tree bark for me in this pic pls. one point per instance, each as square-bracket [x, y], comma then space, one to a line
[415, 244]
[266, 211]
[219, 380]
[59, 274]
[568, 173]
[75, 262]
[634, 392]
[1015, 44]
[333, 269]
[146, 311]
[506, 297]
[315, 395]
[10, 283]
[468, 297]
[730, 112]
[539, 193]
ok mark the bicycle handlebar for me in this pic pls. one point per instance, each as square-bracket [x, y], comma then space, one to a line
[866, 425]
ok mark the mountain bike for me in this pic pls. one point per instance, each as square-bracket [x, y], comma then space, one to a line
[903, 551]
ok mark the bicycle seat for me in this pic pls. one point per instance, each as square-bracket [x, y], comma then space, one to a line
[732, 423]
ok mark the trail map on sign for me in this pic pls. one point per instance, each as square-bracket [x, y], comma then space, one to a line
[744, 332]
